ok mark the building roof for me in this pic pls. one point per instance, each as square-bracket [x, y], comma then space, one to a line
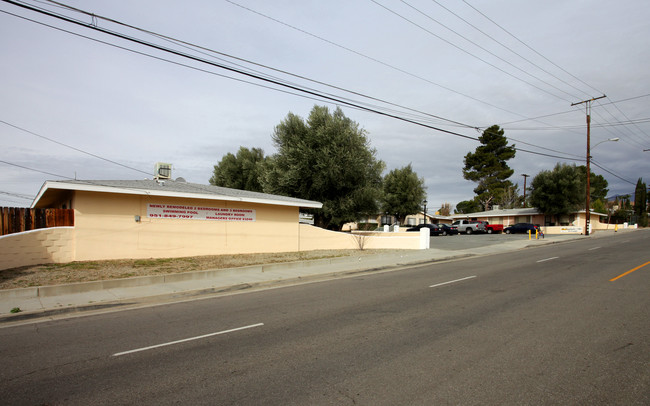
[528, 211]
[53, 191]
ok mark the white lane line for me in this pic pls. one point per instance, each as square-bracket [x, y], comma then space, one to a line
[186, 339]
[457, 280]
[548, 259]
[594, 248]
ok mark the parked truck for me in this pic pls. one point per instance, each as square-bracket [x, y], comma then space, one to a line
[493, 228]
[469, 227]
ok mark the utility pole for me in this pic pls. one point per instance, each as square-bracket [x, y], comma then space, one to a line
[588, 111]
[525, 176]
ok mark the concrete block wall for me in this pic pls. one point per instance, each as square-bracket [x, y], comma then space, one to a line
[42, 246]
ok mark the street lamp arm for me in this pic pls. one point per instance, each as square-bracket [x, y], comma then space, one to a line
[607, 140]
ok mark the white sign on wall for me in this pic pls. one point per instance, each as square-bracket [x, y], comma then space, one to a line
[176, 211]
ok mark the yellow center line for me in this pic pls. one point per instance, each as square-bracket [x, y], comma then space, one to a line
[629, 272]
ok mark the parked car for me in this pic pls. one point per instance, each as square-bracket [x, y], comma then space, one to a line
[493, 228]
[433, 228]
[521, 228]
[469, 227]
[448, 229]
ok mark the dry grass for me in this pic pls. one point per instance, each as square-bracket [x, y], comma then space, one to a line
[56, 274]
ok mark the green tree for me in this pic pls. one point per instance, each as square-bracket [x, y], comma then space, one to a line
[327, 158]
[487, 166]
[403, 193]
[599, 207]
[597, 184]
[241, 171]
[641, 202]
[558, 192]
[467, 206]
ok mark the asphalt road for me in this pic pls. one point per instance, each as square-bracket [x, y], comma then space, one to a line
[537, 326]
[464, 241]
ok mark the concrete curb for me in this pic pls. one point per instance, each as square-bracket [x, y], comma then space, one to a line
[83, 287]
[50, 301]
[182, 295]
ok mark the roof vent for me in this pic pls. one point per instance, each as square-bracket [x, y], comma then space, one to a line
[179, 179]
[162, 171]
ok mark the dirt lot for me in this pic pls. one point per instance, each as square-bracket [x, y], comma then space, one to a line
[57, 274]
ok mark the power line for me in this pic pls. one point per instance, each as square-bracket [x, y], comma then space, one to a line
[303, 31]
[612, 173]
[507, 47]
[529, 47]
[231, 69]
[571, 127]
[199, 49]
[195, 58]
[374, 59]
[71, 147]
[578, 157]
[465, 51]
[36, 170]
[487, 50]
[20, 196]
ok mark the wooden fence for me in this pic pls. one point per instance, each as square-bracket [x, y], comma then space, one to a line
[17, 219]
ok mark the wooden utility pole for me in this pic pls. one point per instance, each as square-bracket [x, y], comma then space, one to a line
[525, 177]
[587, 203]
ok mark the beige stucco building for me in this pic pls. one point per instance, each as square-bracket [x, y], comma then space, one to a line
[117, 219]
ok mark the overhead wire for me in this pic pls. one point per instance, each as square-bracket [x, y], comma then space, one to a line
[234, 70]
[611, 173]
[71, 147]
[467, 52]
[211, 52]
[378, 61]
[18, 195]
[487, 50]
[393, 67]
[556, 65]
[508, 48]
[178, 53]
[531, 48]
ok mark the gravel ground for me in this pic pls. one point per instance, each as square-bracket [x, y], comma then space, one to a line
[57, 274]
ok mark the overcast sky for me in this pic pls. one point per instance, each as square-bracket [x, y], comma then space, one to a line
[74, 107]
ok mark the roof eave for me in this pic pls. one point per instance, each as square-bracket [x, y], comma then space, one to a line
[150, 192]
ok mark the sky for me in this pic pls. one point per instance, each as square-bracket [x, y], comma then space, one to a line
[78, 103]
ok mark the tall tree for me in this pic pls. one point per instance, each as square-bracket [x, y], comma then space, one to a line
[327, 158]
[558, 192]
[241, 171]
[403, 193]
[487, 166]
[467, 206]
[641, 202]
[597, 184]
[510, 198]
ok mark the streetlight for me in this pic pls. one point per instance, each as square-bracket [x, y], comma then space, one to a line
[425, 210]
[609, 139]
[587, 209]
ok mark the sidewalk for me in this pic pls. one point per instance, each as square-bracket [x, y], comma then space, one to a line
[50, 301]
